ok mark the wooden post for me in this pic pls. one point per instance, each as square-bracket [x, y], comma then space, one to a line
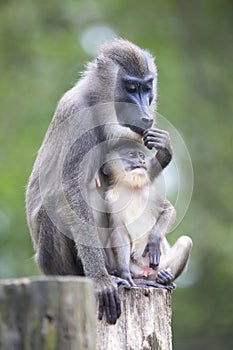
[145, 323]
[48, 313]
[58, 313]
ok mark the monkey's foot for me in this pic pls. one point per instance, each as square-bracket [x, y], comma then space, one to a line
[165, 277]
[142, 283]
[121, 282]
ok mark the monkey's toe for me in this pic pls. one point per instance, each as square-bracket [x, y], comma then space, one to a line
[165, 277]
[122, 282]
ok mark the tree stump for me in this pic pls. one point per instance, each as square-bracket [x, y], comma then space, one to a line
[58, 313]
[47, 313]
[145, 322]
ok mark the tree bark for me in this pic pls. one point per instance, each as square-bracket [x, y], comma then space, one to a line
[59, 313]
[145, 322]
[47, 313]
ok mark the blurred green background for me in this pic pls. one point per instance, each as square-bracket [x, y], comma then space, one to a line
[45, 44]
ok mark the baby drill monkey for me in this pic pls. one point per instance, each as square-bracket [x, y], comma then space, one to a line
[139, 217]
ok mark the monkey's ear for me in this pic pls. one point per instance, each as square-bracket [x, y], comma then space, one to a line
[105, 169]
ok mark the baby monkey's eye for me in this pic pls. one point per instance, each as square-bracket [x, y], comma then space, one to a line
[142, 155]
[131, 154]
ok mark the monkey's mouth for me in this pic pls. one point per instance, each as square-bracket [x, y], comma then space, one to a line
[136, 129]
[136, 168]
[139, 168]
[139, 171]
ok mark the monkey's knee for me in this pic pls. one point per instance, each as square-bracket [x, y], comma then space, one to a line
[185, 242]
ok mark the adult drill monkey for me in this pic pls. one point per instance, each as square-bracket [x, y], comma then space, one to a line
[124, 77]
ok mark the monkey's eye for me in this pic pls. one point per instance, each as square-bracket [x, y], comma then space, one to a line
[147, 88]
[130, 87]
[142, 155]
[131, 154]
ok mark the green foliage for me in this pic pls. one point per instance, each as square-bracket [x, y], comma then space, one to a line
[41, 57]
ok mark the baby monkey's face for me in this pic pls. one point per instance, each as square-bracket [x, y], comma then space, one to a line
[127, 166]
[133, 160]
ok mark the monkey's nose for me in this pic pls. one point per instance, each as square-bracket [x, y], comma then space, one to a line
[142, 164]
[147, 122]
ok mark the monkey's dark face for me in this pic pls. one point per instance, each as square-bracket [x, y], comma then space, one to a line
[133, 98]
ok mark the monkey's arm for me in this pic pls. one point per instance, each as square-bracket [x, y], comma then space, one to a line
[159, 231]
[77, 183]
[159, 139]
[121, 246]
[105, 285]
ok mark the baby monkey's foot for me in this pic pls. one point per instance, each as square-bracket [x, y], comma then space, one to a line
[143, 283]
[165, 277]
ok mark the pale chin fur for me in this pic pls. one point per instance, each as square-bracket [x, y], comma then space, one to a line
[139, 171]
[137, 178]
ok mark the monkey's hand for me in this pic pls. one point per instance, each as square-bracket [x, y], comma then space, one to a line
[166, 277]
[159, 139]
[108, 297]
[153, 251]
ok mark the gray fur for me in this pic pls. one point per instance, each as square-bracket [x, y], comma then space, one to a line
[76, 249]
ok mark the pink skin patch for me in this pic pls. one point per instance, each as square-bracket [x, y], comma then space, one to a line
[146, 271]
[97, 182]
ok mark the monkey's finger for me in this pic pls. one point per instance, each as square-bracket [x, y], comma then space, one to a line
[149, 283]
[169, 286]
[164, 276]
[154, 135]
[107, 306]
[167, 274]
[153, 262]
[155, 142]
[155, 132]
[101, 306]
[155, 139]
[112, 306]
[162, 279]
[151, 145]
[121, 282]
[154, 258]
[172, 286]
[154, 265]
[146, 250]
[118, 303]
